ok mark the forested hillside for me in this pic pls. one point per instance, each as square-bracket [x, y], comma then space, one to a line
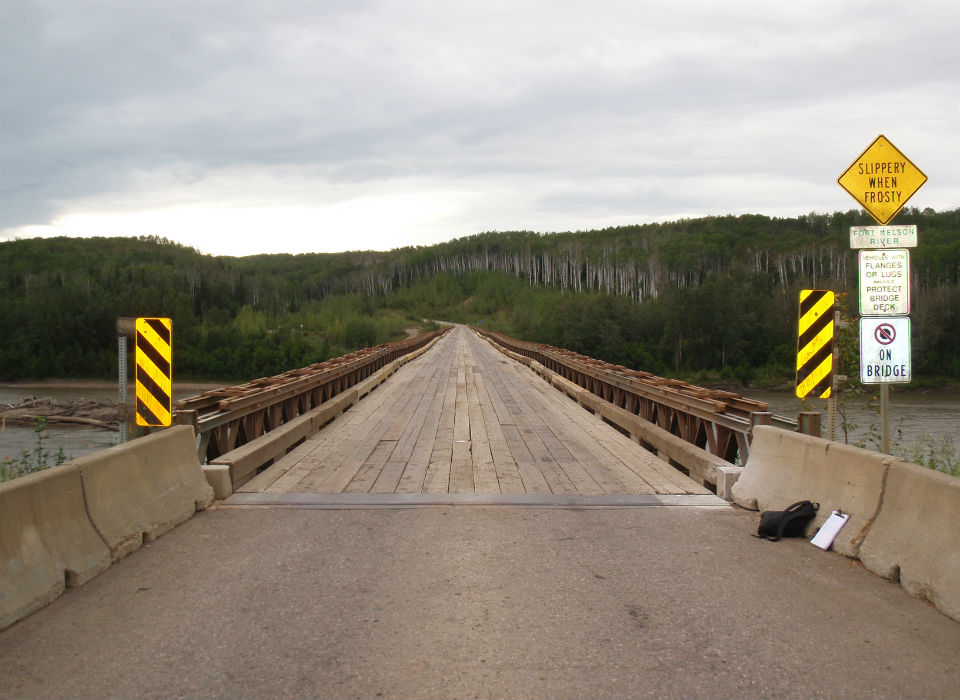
[716, 294]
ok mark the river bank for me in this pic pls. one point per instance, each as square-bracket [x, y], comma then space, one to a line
[94, 390]
[66, 396]
[915, 416]
[88, 412]
[100, 385]
[789, 386]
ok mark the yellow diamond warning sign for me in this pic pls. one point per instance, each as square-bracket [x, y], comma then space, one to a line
[882, 179]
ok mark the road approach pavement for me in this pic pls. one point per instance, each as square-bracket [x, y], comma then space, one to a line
[481, 602]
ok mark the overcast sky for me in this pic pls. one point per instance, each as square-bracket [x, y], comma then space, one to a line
[255, 126]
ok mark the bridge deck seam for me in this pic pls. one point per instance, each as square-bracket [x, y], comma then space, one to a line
[415, 500]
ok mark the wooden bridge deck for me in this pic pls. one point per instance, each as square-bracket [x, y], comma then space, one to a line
[464, 418]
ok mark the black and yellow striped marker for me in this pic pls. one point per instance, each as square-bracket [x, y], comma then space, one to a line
[154, 383]
[815, 343]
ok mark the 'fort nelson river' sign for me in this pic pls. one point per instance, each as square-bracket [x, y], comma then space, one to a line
[883, 236]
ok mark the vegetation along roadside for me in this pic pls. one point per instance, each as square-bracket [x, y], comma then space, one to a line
[711, 300]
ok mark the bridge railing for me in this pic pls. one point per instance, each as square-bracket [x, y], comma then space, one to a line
[225, 419]
[720, 422]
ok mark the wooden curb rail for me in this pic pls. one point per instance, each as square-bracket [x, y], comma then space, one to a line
[700, 465]
[228, 418]
[231, 470]
[718, 421]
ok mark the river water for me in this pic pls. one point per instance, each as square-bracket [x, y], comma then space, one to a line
[75, 440]
[915, 417]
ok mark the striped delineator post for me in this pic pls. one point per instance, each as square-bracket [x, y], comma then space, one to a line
[815, 333]
[154, 375]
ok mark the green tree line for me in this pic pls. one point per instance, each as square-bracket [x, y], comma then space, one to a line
[714, 295]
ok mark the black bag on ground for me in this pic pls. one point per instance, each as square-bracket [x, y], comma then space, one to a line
[791, 522]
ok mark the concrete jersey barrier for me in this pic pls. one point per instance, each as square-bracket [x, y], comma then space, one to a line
[137, 491]
[785, 467]
[46, 541]
[62, 526]
[904, 519]
[915, 537]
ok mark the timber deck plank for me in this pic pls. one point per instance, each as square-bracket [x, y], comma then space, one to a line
[464, 418]
[484, 470]
[505, 466]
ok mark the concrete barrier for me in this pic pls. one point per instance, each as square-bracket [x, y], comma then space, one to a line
[63, 526]
[137, 491]
[916, 535]
[46, 541]
[785, 467]
[904, 519]
[218, 476]
[727, 477]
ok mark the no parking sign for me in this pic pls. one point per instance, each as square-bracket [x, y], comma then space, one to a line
[885, 350]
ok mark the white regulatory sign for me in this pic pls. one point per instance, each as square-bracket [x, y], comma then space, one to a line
[883, 236]
[884, 282]
[885, 350]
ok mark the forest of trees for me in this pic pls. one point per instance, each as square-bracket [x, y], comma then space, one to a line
[715, 295]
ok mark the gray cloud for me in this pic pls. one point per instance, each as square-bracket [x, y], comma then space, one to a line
[618, 109]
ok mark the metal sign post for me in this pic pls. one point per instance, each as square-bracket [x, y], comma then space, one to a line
[885, 418]
[122, 374]
[835, 379]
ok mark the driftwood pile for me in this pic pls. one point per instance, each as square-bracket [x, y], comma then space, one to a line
[98, 414]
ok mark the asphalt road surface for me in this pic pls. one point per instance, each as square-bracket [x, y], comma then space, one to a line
[481, 602]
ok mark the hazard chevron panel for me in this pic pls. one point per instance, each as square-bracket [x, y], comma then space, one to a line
[154, 379]
[815, 343]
